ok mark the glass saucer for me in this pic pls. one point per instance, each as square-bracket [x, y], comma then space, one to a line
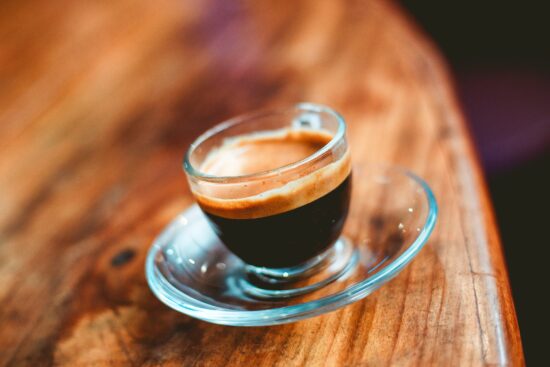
[391, 216]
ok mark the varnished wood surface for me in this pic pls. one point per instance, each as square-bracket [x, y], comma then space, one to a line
[99, 100]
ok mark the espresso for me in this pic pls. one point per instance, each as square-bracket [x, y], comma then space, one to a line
[272, 223]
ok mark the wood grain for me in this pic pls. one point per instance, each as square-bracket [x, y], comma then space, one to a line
[99, 100]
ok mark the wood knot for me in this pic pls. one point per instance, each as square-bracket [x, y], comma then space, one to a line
[123, 257]
[378, 222]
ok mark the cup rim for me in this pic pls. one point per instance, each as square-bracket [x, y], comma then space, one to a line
[304, 106]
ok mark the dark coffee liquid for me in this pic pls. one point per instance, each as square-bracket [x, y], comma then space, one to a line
[289, 238]
[273, 223]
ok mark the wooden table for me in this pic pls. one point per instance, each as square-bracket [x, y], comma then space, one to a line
[99, 100]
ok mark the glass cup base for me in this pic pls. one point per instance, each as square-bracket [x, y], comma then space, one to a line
[337, 261]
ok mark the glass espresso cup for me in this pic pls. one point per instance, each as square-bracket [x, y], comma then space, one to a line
[275, 186]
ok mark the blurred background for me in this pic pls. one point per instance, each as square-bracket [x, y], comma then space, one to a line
[499, 53]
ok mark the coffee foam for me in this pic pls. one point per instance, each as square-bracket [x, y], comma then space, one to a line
[261, 152]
